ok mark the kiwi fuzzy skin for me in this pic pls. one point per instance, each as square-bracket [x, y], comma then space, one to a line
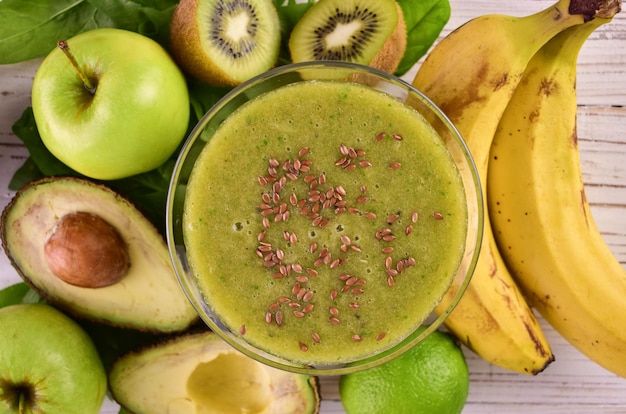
[186, 48]
[389, 57]
[384, 50]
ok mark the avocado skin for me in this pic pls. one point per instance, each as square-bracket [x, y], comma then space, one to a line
[148, 299]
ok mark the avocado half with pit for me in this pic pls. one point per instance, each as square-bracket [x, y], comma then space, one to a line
[200, 373]
[90, 252]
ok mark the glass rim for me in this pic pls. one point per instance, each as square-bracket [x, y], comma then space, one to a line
[471, 183]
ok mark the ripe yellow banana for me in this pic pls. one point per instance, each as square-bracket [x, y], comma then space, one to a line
[541, 218]
[471, 75]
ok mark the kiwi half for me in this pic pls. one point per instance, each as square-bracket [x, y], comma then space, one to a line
[225, 42]
[369, 32]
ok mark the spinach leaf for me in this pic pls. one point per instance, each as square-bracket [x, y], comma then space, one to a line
[289, 12]
[424, 21]
[47, 164]
[150, 18]
[30, 28]
[19, 293]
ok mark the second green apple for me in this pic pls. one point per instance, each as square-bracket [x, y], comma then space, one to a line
[112, 105]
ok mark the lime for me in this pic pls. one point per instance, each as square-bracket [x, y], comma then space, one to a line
[430, 378]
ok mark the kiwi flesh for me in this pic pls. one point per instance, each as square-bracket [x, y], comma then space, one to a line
[225, 42]
[351, 30]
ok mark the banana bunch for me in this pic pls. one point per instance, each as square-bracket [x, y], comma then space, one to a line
[541, 218]
[472, 75]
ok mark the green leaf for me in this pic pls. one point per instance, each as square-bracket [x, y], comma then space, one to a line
[30, 28]
[424, 21]
[289, 13]
[18, 293]
[149, 18]
[26, 130]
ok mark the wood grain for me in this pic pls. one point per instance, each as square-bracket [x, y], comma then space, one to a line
[572, 384]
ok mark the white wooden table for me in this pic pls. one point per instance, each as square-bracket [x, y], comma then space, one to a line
[572, 384]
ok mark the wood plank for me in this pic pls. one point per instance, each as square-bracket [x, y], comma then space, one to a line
[572, 384]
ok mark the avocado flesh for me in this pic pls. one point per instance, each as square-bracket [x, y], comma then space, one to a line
[148, 298]
[200, 373]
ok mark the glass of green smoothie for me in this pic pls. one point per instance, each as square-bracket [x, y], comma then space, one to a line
[324, 217]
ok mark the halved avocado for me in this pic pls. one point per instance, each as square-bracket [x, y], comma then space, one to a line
[200, 373]
[146, 296]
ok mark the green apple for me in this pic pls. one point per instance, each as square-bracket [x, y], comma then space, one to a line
[110, 103]
[48, 364]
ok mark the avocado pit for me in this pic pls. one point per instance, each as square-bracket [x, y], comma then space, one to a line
[85, 250]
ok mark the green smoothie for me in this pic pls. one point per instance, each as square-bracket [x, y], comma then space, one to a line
[323, 222]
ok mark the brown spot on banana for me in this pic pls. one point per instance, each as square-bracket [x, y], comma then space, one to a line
[548, 87]
[541, 350]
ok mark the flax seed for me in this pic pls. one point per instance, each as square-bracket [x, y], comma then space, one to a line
[308, 308]
[343, 149]
[390, 281]
[303, 151]
[351, 281]
[273, 306]
[295, 288]
[303, 347]
[302, 279]
[356, 338]
[284, 299]
[294, 305]
[279, 318]
[387, 250]
[341, 162]
[362, 199]
[322, 179]
[268, 317]
[334, 263]
[312, 272]
[352, 153]
[357, 291]
[370, 216]
[242, 329]
[394, 165]
[389, 237]
[296, 268]
[350, 167]
[397, 137]
[333, 311]
[393, 218]
[354, 305]
[408, 230]
[380, 136]
[307, 296]
[316, 338]
[301, 293]
[380, 336]
[333, 295]
[334, 320]
[298, 314]
[293, 238]
[262, 180]
[438, 216]
[365, 164]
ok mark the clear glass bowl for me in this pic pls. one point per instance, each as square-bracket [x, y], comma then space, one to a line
[337, 71]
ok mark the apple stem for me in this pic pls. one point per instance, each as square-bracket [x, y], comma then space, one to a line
[65, 48]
